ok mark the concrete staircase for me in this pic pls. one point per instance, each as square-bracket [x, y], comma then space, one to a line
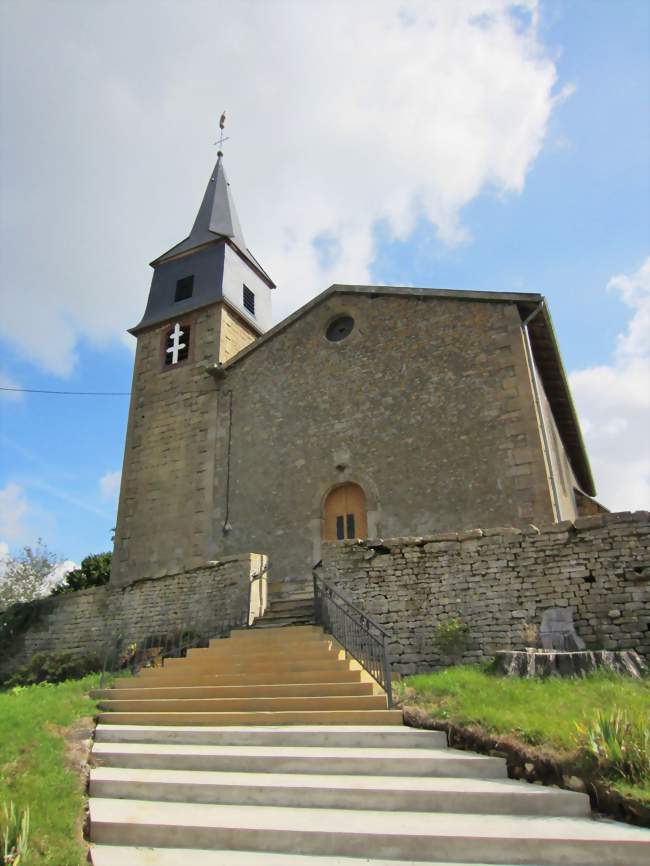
[271, 748]
[283, 676]
[292, 610]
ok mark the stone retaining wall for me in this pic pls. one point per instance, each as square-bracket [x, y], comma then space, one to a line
[89, 621]
[499, 581]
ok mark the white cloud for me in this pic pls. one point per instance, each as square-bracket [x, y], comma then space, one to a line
[340, 115]
[4, 554]
[13, 509]
[614, 401]
[109, 484]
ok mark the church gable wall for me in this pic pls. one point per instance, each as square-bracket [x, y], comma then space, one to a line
[426, 404]
[499, 582]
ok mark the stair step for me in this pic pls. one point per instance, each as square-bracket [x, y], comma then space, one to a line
[292, 603]
[302, 717]
[252, 691]
[296, 759]
[159, 676]
[251, 655]
[109, 855]
[389, 793]
[373, 736]
[270, 637]
[270, 663]
[363, 833]
[246, 705]
[278, 622]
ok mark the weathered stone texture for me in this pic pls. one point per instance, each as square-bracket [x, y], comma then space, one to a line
[427, 405]
[91, 620]
[500, 582]
[164, 521]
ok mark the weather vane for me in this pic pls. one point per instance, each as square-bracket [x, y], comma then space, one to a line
[222, 123]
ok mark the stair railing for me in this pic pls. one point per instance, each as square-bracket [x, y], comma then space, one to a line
[125, 655]
[129, 654]
[359, 634]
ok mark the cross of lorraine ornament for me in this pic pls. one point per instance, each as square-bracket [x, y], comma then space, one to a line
[176, 345]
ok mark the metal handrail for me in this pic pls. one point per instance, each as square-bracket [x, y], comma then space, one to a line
[130, 656]
[353, 629]
[133, 654]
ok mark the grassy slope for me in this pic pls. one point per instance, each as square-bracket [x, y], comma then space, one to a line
[33, 767]
[540, 712]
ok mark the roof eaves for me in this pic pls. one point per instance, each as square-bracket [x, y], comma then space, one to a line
[548, 360]
[343, 289]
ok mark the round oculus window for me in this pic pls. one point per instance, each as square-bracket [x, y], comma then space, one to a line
[339, 329]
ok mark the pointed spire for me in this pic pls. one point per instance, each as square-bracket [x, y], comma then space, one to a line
[217, 212]
[217, 217]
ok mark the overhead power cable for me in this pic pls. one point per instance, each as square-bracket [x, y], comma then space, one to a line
[70, 393]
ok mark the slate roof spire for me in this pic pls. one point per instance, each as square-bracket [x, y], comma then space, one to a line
[217, 218]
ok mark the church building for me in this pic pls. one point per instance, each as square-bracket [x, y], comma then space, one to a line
[372, 411]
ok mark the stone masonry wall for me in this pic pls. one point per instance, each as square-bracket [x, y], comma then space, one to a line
[500, 581]
[427, 405]
[90, 621]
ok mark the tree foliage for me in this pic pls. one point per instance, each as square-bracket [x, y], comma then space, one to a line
[27, 575]
[95, 570]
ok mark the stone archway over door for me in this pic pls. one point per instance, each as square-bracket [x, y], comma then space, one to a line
[345, 513]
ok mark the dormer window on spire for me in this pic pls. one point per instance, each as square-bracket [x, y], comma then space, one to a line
[184, 289]
[249, 300]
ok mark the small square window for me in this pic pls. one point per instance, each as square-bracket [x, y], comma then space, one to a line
[184, 289]
[249, 300]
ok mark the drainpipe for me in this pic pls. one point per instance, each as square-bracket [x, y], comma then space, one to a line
[555, 499]
[227, 526]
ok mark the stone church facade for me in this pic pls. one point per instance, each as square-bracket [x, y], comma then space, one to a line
[372, 411]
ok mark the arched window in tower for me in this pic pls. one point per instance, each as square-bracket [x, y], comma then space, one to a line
[345, 513]
[177, 344]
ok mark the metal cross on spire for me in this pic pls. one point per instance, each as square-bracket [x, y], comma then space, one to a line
[222, 123]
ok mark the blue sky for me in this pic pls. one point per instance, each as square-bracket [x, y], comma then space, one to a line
[518, 161]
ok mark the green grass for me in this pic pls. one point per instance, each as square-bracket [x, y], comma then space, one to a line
[542, 712]
[34, 771]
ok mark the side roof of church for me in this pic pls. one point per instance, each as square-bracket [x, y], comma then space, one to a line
[543, 343]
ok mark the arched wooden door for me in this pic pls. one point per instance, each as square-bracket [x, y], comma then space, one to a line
[345, 513]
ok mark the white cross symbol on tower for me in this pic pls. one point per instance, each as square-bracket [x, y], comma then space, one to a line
[176, 345]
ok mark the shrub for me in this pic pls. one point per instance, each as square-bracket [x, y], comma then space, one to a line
[54, 667]
[619, 743]
[95, 570]
[18, 619]
[15, 835]
[451, 637]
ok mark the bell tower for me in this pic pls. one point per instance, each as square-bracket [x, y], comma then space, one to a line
[209, 299]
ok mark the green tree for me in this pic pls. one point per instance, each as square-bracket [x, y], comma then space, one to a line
[27, 576]
[95, 570]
